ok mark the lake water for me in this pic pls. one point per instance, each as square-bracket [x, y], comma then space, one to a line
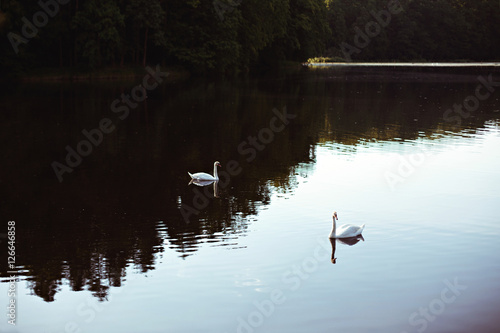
[123, 244]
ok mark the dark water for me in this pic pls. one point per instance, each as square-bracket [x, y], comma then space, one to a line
[123, 244]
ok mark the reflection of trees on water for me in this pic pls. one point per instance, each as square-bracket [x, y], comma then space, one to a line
[104, 217]
[87, 252]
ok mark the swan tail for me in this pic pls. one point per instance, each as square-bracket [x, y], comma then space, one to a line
[361, 228]
[190, 175]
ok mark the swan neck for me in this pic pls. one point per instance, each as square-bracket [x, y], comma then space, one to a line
[333, 227]
[216, 176]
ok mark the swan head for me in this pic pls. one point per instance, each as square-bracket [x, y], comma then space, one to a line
[334, 216]
[217, 163]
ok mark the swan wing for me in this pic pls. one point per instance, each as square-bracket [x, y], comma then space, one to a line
[202, 176]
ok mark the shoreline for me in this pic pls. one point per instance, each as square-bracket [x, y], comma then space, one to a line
[418, 72]
[59, 75]
[402, 64]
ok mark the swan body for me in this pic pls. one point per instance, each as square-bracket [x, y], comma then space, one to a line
[203, 176]
[345, 230]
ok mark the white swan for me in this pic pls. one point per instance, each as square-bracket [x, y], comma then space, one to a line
[203, 176]
[345, 230]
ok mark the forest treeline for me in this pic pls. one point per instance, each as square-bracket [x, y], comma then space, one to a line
[229, 36]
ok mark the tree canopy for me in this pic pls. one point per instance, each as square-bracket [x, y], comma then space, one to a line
[423, 30]
[229, 36]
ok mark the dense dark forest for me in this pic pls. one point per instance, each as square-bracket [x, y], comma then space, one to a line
[229, 36]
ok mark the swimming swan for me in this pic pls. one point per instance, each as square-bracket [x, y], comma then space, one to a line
[345, 230]
[203, 176]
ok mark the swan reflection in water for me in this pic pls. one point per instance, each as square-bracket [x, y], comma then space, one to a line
[347, 241]
[203, 183]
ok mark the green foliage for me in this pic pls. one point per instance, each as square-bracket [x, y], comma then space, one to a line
[438, 30]
[309, 27]
[98, 27]
[262, 23]
[320, 60]
[146, 18]
[229, 36]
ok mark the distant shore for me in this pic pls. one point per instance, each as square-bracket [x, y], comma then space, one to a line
[410, 71]
[176, 73]
[405, 64]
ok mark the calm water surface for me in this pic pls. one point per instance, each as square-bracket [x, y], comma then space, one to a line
[124, 244]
